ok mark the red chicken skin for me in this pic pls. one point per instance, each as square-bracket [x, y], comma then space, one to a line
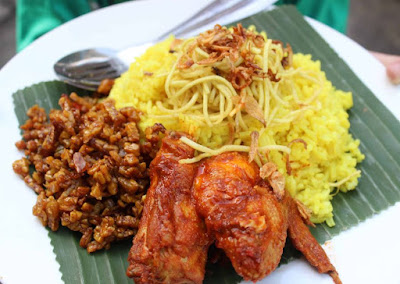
[247, 220]
[171, 244]
[249, 216]
[225, 199]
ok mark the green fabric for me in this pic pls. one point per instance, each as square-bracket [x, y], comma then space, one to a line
[37, 17]
[334, 13]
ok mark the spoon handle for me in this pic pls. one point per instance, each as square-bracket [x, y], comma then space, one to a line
[205, 16]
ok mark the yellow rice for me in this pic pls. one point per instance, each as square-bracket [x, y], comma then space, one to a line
[331, 154]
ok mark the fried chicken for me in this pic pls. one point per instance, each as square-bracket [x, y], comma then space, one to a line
[246, 219]
[249, 217]
[171, 244]
[225, 199]
[304, 241]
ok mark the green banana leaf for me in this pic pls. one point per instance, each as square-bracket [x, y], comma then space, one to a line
[371, 122]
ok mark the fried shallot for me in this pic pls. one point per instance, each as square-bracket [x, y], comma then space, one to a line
[222, 44]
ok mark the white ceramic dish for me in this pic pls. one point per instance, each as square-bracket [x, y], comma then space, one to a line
[367, 253]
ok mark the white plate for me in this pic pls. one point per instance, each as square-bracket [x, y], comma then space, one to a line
[367, 253]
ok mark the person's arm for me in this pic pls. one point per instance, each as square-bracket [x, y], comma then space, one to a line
[392, 65]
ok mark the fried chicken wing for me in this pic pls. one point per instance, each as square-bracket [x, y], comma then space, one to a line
[246, 219]
[249, 216]
[305, 242]
[171, 243]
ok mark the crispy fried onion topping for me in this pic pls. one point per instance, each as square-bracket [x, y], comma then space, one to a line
[221, 44]
[250, 105]
[287, 60]
[253, 109]
[305, 212]
[254, 145]
[270, 172]
[298, 140]
[288, 166]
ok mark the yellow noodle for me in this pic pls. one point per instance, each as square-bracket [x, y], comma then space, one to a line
[207, 152]
[339, 183]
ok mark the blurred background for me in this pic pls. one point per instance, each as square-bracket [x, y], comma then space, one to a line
[374, 24]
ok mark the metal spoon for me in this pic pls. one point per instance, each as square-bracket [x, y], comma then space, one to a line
[87, 68]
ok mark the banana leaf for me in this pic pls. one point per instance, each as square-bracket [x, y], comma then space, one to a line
[371, 122]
